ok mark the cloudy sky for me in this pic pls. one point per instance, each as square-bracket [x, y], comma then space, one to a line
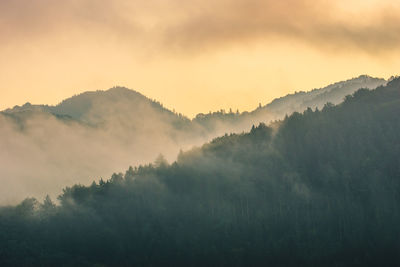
[192, 55]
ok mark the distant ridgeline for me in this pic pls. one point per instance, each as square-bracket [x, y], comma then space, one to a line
[99, 106]
[322, 188]
[92, 134]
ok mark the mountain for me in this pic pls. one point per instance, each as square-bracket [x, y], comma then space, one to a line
[130, 107]
[45, 148]
[85, 137]
[278, 108]
[321, 186]
[98, 107]
[317, 98]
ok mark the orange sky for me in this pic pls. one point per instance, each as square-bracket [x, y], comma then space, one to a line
[194, 55]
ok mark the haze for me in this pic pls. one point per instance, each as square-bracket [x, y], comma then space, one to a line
[237, 52]
[44, 148]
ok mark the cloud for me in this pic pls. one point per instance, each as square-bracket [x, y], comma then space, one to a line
[197, 25]
[318, 23]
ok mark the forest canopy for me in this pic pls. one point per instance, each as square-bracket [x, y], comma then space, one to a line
[318, 188]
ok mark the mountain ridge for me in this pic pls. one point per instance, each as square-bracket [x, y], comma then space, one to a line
[75, 137]
[323, 188]
[75, 105]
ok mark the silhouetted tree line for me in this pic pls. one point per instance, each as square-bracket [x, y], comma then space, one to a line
[320, 189]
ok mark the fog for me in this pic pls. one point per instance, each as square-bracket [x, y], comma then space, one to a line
[41, 153]
[322, 188]
[87, 137]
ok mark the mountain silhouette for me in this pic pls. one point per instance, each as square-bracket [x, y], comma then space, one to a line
[321, 187]
[92, 134]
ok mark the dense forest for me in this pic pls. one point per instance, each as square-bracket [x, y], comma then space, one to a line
[99, 132]
[317, 98]
[319, 188]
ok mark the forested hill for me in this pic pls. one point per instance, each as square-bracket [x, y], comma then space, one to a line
[317, 98]
[85, 137]
[103, 131]
[97, 107]
[322, 187]
[277, 109]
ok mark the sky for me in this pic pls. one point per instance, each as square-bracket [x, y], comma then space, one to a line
[194, 55]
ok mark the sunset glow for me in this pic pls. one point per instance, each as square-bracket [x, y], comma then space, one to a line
[236, 52]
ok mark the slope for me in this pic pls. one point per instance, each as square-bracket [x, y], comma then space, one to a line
[87, 136]
[322, 189]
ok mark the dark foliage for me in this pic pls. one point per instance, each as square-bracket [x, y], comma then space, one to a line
[322, 189]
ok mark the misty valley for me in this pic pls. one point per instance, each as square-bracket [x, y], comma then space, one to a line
[113, 178]
[92, 135]
[229, 133]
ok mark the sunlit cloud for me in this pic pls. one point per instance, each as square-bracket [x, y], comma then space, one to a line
[165, 48]
[195, 24]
